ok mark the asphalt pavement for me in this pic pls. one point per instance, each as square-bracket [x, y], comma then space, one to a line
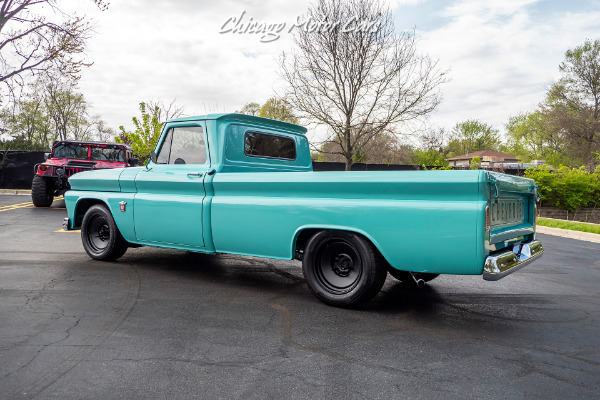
[169, 324]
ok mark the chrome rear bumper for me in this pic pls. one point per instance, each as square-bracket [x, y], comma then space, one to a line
[499, 265]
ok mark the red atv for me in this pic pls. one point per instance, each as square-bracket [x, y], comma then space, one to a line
[69, 157]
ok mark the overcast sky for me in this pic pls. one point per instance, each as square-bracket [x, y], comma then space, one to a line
[502, 54]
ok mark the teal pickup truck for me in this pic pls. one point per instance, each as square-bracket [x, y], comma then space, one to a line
[239, 184]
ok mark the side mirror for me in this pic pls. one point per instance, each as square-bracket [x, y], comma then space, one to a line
[132, 161]
[153, 156]
[46, 155]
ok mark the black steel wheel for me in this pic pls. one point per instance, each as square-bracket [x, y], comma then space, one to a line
[404, 276]
[100, 236]
[343, 269]
[41, 191]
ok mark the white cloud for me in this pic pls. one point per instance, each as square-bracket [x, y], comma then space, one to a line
[489, 9]
[502, 56]
[174, 50]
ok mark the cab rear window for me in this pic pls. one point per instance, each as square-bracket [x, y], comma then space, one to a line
[266, 145]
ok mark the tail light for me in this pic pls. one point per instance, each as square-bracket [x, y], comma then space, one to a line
[487, 218]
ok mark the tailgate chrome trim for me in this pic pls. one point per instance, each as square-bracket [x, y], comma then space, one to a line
[511, 233]
[499, 265]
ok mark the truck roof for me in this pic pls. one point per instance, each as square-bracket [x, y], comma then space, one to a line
[245, 118]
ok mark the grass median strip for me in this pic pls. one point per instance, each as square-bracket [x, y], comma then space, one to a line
[570, 225]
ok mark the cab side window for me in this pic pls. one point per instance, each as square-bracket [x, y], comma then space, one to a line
[183, 145]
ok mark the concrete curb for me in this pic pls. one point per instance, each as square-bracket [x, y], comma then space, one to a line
[586, 236]
[23, 192]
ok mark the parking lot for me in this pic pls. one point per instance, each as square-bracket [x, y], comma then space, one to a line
[170, 324]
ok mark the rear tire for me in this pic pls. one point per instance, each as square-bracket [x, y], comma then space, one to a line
[41, 191]
[343, 269]
[100, 236]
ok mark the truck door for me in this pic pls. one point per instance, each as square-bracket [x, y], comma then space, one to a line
[168, 203]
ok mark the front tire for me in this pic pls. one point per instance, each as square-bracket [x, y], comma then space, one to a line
[41, 191]
[100, 236]
[343, 269]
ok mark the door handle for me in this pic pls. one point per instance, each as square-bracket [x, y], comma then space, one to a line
[195, 174]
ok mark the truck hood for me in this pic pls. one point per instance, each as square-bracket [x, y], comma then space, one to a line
[106, 180]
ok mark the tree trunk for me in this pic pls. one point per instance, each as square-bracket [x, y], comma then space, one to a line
[349, 153]
[348, 164]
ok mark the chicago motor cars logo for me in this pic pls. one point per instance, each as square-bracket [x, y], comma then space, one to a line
[269, 32]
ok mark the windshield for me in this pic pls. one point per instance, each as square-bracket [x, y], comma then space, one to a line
[108, 154]
[70, 150]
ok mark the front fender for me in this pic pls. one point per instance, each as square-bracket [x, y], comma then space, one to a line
[78, 202]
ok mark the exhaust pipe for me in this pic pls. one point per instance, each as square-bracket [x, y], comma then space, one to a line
[418, 281]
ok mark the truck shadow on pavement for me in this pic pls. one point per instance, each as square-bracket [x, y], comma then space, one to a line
[265, 278]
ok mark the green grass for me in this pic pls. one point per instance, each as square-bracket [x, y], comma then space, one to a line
[574, 226]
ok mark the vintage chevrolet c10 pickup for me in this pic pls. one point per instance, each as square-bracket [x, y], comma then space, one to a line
[239, 184]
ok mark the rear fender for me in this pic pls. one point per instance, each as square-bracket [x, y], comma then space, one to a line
[303, 235]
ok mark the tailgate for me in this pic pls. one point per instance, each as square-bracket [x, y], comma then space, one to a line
[512, 209]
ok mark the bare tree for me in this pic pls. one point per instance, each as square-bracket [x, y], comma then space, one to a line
[356, 76]
[100, 130]
[433, 139]
[381, 149]
[66, 108]
[165, 112]
[37, 37]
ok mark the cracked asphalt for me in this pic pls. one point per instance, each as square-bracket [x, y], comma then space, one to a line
[169, 324]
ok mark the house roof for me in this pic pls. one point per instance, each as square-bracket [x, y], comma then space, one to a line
[483, 153]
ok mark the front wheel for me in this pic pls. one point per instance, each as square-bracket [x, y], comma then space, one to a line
[343, 269]
[100, 236]
[41, 191]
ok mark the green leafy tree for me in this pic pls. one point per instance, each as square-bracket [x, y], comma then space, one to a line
[146, 133]
[430, 158]
[273, 108]
[475, 162]
[565, 128]
[278, 109]
[250, 109]
[470, 136]
[533, 137]
[52, 110]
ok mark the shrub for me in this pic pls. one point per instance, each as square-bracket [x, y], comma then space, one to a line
[567, 188]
